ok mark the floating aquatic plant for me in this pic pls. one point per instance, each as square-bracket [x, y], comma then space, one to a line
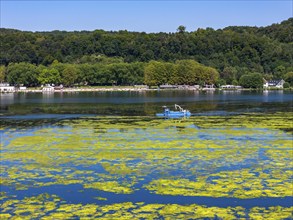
[241, 156]
[44, 206]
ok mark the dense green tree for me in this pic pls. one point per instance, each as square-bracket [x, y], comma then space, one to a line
[281, 32]
[103, 75]
[251, 80]
[147, 56]
[136, 73]
[125, 73]
[86, 74]
[235, 82]
[181, 29]
[279, 72]
[48, 60]
[286, 85]
[220, 82]
[69, 75]
[210, 75]
[268, 77]
[288, 77]
[191, 72]
[185, 72]
[2, 73]
[49, 76]
[118, 74]
[155, 74]
[229, 74]
[22, 74]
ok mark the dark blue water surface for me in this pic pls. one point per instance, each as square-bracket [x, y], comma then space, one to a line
[75, 193]
[33, 111]
[145, 102]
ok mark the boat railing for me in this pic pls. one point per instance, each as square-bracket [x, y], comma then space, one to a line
[179, 107]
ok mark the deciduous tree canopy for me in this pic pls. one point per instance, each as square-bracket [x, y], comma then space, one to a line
[101, 57]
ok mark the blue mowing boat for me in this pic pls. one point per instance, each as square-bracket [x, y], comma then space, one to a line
[174, 114]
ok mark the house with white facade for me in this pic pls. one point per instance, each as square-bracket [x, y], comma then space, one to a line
[274, 84]
[5, 87]
[48, 88]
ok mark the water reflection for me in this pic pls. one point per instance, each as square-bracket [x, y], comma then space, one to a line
[7, 98]
[145, 102]
[265, 96]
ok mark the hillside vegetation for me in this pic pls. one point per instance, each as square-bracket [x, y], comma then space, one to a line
[121, 57]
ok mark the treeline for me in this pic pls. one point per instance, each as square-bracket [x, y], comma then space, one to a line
[183, 72]
[154, 73]
[121, 57]
[69, 74]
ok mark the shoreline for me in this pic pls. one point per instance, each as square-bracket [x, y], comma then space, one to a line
[82, 90]
[133, 89]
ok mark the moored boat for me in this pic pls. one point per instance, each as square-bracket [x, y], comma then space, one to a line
[181, 113]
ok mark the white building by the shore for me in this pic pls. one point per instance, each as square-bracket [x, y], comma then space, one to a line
[231, 87]
[274, 84]
[5, 87]
[22, 88]
[48, 88]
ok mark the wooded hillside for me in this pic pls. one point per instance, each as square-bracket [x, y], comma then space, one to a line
[232, 51]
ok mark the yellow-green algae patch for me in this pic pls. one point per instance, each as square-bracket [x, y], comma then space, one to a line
[46, 206]
[101, 198]
[276, 212]
[242, 156]
[3, 195]
[238, 184]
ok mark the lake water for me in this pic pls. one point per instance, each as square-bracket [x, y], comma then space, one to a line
[144, 103]
[105, 155]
